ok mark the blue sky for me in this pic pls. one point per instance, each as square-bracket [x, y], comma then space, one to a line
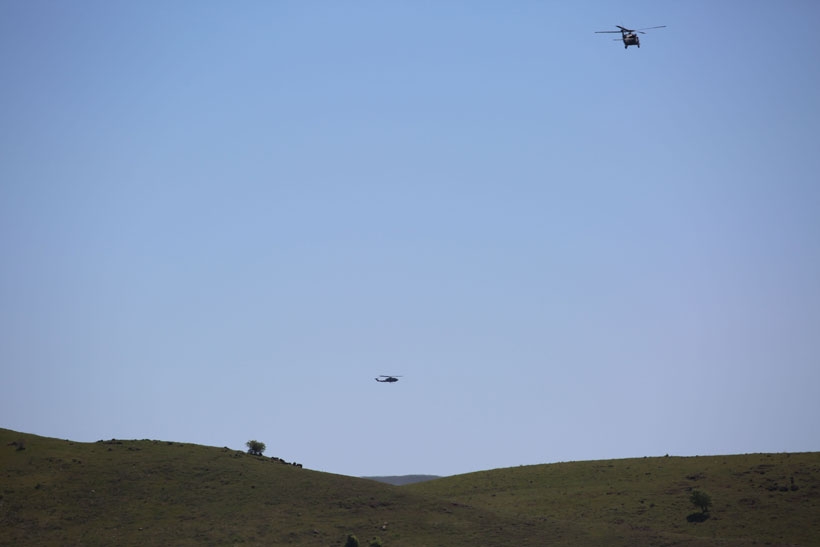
[220, 221]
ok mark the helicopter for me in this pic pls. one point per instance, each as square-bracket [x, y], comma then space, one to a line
[389, 379]
[629, 36]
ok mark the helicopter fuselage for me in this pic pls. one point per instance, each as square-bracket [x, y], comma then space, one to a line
[631, 39]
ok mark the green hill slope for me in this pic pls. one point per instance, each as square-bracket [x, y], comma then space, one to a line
[56, 492]
[771, 499]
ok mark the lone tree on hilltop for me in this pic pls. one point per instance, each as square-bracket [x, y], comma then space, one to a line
[701, 500]
[255, 448]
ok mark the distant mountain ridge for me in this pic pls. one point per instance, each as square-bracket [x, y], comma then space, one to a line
[399, 480]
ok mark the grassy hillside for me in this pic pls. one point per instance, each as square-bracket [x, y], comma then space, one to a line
[758, 499]
[57, 492]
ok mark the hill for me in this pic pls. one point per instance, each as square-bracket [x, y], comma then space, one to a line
[401, 480]
[147, 492]
[771, 499]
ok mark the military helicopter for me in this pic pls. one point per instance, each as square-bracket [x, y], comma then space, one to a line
[387, 378]
[629, 36]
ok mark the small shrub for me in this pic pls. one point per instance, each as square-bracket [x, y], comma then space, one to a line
[351, 541]
[701, 500]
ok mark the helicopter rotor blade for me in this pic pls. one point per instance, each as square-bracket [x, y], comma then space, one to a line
[607, 32]
[650, 28]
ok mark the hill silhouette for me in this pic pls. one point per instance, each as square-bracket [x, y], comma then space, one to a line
[401, 480]
[148, 492]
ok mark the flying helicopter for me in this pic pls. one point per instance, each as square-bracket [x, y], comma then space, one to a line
[629, 36]
[389, 379]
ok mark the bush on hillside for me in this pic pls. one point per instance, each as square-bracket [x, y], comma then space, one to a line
[351, 541]
[255, 448]
[701, 500]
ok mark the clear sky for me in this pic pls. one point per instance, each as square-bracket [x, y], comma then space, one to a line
[219, 221]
